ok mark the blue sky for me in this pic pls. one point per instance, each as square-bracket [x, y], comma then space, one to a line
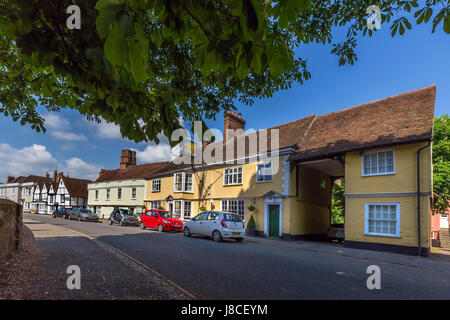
[386, 66]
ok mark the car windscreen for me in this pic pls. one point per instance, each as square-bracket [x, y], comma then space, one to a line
[126, 212]
[232, 217]
[165, 214]
[86, 211]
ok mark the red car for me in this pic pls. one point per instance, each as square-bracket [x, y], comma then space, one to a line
[161, 220]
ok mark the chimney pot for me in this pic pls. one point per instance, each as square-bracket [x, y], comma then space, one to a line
[126, 159]
[9, 179]
[232, 121]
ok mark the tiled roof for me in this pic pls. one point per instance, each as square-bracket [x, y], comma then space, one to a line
[132, 172]
[76, 187]
[289, 135]
[403, 118]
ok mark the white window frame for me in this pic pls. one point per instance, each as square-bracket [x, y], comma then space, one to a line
[119, 193]
[271, 171]
[225, 175]
[366, 219]
[184, 209]
[96, 192]
[156, 185]
[243, 216]
[183, 182]
[378, 173]
[108, 194]
[155, 204]
[135, 193]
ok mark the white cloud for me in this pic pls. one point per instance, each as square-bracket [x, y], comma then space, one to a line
[69, 136]
[105, 129]
[55, 121]
[59, 128]
[154, 153]
[157, 152]
[77, 168]
[109, 130]
[37, 160]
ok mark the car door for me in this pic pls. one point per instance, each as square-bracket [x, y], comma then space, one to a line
[198, 222]
[145, 218]
[153, 219]
[211, 223]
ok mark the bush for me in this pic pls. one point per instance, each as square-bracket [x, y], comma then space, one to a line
[251, 223]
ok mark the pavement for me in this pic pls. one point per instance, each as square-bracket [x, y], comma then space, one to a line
[259, 268]
[104, 274]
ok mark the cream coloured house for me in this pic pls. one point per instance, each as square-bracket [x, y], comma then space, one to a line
[121, 188]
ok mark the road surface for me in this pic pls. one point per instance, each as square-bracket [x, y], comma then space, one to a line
[264, 269]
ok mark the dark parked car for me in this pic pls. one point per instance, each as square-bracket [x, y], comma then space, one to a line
[61, 213]
[82, 215]
[336, 232]
[123, 217]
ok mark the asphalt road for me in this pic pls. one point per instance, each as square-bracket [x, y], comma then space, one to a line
[262, 270]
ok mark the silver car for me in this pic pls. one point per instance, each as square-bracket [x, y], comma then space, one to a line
[215, 224]
[82, 215]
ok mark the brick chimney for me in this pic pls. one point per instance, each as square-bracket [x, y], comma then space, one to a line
[58, 176]
[55, 174]
[127, 159]
[232, 120]
[47, 175]
[101, 172]
[9, 179]
[133, 158]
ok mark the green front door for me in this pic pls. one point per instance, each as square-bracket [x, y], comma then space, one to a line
[274, 220]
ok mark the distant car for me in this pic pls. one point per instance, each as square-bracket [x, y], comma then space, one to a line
[62, 213]
[336, 232]
[215, 224]
[82, 215]
[123, 217]
[161, 220]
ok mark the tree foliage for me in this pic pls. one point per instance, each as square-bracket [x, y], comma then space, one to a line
[144, 64]
[338, 203]
[441, 163]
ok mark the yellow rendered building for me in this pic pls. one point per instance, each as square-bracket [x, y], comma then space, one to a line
[382, 149]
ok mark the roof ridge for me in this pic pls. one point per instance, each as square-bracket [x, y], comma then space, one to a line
[139, 165]
[379, 100]
[290, 122]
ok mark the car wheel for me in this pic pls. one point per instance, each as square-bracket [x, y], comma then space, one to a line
[239, 239]
[217, 237]
[120, 223]
[110, 222]
[160, 228]
[142, 226]
[66, 216]
[54, 217]
[186, 232]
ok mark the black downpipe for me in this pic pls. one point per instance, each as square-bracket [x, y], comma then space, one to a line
[419, 245]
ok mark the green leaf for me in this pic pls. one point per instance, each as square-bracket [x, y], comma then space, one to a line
[108, 5]
[115, 47]
[135, 53]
